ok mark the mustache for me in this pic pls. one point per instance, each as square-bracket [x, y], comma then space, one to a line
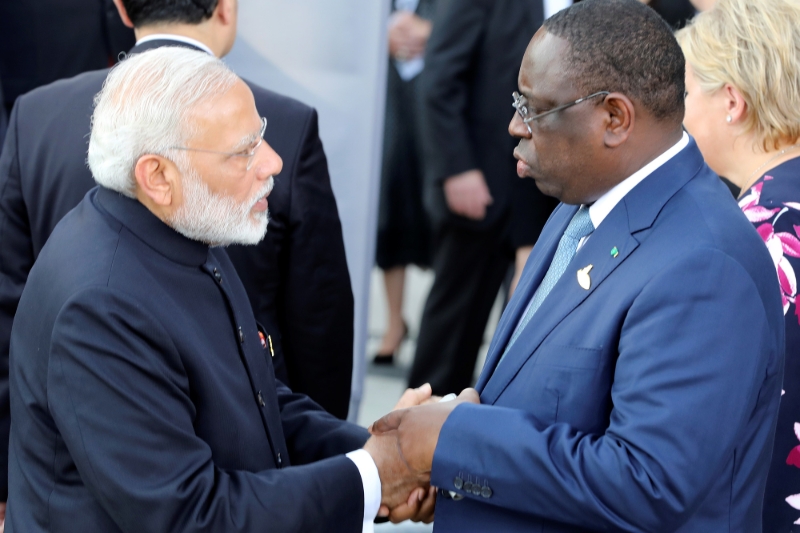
[264, 191]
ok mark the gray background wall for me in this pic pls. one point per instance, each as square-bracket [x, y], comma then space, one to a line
[331, 55]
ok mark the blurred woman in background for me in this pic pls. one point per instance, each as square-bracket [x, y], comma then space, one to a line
[743, 109]
[403, 226]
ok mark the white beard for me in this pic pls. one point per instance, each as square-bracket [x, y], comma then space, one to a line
[216, 219]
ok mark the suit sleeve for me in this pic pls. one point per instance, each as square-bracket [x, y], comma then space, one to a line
[458, 28]
[315, 297]
[684, 388]
[313, 434]
[119, 395]
[16, 260]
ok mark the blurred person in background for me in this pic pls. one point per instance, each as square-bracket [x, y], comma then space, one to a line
[743, 109]
[45, 40]
[482, 213]
[675, 12]
[403, 226]
[3, 119]
[296, 277]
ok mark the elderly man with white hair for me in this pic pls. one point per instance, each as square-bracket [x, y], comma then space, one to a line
[143, 396]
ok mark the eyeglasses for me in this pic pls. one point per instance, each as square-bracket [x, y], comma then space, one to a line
[248, 154]
[521, 105]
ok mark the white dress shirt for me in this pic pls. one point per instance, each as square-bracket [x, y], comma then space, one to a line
[370, 480]
[599, 210]
[551, 7]
[172, 37]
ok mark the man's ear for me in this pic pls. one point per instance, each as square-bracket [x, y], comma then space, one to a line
[158, 180]
[226, 11]
[123, 13]
[619, 118]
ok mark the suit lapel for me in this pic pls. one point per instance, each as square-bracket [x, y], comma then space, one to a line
[535, 270]
[567, 295]
[634, 213]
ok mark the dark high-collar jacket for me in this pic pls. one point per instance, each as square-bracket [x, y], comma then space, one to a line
[296, 278]
[144, 400]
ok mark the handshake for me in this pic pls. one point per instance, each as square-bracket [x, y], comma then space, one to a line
[402, 446]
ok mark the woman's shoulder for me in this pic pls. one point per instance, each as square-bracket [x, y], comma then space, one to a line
[781, 185]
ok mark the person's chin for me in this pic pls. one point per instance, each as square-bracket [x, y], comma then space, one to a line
[547, 188]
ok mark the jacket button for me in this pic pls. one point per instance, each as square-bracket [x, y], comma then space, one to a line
[279, 460]
[241, 336]
[458, 483]
[467, 486]
[218, 275]
[486, 492]
[262, 403]
[476, 489]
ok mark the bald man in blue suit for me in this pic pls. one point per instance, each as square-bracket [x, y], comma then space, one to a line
[634, 379]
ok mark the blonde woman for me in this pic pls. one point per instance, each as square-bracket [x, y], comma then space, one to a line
[743, 109]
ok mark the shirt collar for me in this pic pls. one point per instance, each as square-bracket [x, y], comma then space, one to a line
[172, 37]
[599, 210]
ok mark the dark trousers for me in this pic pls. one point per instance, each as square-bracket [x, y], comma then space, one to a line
[469, 268]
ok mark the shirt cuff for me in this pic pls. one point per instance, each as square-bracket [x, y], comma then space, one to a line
[371, 481]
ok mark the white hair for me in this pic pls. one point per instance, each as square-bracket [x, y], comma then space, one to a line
[143, 109]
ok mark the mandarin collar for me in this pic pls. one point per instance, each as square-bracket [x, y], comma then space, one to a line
[150, 229]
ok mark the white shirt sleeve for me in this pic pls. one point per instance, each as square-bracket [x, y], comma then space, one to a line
[371, 481]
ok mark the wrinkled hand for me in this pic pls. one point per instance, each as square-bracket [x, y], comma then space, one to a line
[468, 195]
[417, 430]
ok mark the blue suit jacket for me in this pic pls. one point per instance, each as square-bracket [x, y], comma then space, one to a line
[143, 400]
[647, 402]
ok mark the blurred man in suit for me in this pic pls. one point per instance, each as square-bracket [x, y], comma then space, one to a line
[634, 380]
[45, 40]
[481, 212]
[143, 392]
[296, 278]
[3, 119]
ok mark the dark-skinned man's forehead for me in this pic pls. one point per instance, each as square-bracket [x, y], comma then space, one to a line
[544, 78]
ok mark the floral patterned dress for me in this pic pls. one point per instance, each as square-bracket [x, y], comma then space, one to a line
[773, 206]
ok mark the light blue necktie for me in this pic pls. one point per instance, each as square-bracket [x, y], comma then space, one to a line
[579, 227]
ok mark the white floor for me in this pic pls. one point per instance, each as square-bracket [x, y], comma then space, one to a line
[384, 386]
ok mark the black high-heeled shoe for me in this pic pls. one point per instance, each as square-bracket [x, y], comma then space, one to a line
[387, 359]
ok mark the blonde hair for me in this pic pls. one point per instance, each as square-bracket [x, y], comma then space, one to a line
[754, 45]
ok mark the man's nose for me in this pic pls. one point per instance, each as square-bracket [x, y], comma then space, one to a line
[268, 162]
[517, 128]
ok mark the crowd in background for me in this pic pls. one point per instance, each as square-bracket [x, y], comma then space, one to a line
[450, 199]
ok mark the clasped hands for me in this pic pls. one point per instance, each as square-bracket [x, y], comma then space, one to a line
[402, 446]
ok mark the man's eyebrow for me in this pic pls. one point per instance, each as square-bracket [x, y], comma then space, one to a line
[540, 101]
[246, 141]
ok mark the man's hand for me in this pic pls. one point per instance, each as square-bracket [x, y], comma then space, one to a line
[417, 431]
[414, 397]
[397, 480]
[408, 35]
[419, 507]
[468, 195]
[2, 516]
